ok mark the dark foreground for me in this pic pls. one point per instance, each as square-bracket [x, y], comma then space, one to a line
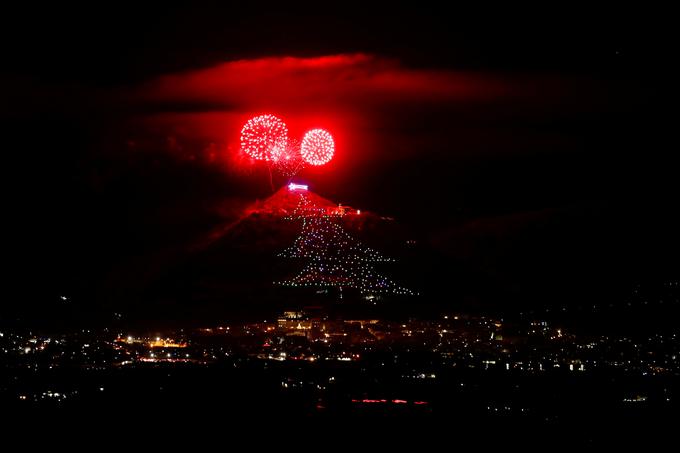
[584, 409]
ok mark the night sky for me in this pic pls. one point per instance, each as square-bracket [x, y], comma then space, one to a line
[529, 152]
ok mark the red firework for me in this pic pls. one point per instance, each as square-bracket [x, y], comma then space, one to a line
[288, 160]
[317, 147]
[263, 137]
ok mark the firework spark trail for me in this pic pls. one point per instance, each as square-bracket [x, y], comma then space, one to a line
[288, 161]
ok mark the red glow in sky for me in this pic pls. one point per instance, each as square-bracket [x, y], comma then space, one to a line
[372, 105]
[337, 81]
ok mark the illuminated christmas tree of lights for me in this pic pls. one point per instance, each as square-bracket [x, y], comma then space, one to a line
[336, 259]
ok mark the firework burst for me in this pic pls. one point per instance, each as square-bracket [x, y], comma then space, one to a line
[317, 147]
[264, 137]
